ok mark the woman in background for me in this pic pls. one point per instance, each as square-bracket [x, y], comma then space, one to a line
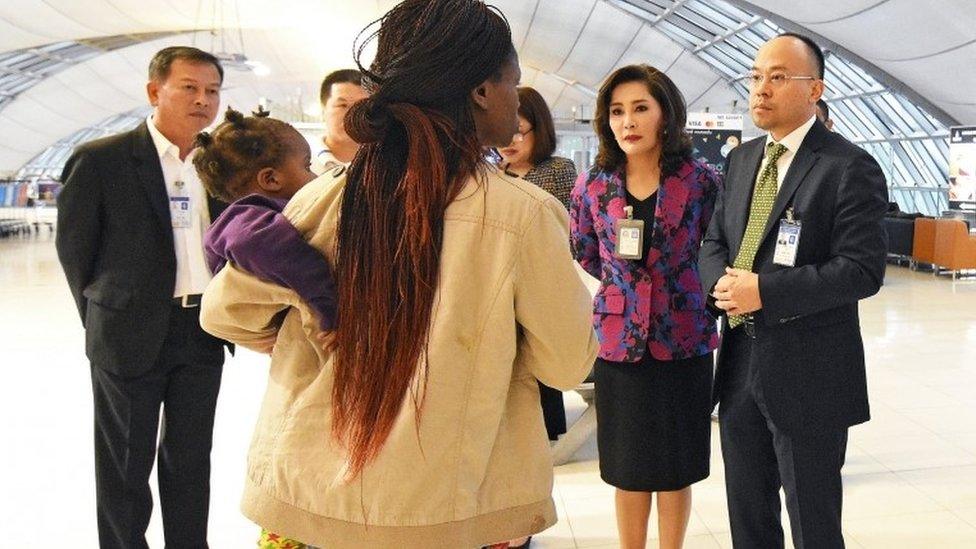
[530, 154]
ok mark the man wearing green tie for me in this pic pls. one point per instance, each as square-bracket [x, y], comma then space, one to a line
[795, 242]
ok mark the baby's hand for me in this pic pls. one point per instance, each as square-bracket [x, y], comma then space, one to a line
[326, 340]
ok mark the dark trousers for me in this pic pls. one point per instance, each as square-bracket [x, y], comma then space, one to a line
[553, 411]
[759, 459]
[184, 382]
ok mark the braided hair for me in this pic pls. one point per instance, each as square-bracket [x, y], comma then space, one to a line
[419, 148]
[229, 159]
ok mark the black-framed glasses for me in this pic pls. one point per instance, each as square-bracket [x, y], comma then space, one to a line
[520, 135]
[776, 79]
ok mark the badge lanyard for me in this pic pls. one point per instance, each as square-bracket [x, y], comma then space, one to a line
[180, 211]
[787, 241]
[630, 236]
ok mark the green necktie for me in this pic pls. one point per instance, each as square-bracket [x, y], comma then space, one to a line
[762, 204]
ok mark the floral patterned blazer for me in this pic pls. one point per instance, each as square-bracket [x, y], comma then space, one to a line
[655, 303]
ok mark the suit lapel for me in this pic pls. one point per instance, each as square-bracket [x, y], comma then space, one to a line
[614, 198]
[150, 173]
[804, 160]
[741, 196]
[672, 200]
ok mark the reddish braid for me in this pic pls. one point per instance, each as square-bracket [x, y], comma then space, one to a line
[420, 148]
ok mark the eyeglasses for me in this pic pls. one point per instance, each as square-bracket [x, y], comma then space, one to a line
[520, 135]
[776, 79]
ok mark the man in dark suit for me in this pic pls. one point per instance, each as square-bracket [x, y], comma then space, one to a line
[795, 242]
[131, 220]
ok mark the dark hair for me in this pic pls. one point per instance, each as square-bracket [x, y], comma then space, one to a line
[341, 76]
[419, 149]
[818, 54]
[533, 108]
[822, 105]
[162, 62]
[675, 142]
[229, 159]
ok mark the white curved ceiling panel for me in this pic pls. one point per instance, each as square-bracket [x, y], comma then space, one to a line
[604, 39]
[43, 21]
[808, 13]
[106, 18]
[548, 85]
[653, 48]
[519, 15]
[13, 37]
[79, 105]
[570, 98]
[553, 32]
[947, 80]
[47, 119]
[21, 141]
[897, 31]
[692, 76]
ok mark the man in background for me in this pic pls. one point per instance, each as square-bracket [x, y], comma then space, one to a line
[823, 114]
[340, 90]
[131, 220]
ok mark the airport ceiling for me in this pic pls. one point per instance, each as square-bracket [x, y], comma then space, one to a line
[66, 65]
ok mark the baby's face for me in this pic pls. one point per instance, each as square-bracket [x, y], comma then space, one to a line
[296, 170]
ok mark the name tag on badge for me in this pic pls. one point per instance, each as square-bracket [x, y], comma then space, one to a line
[180, 212]
[630, 238]
[787, 243]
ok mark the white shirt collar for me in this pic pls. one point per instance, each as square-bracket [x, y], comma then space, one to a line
[794, 139]
[163, 146]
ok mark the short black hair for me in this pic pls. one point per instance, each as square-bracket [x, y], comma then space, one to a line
[815, 50]
[162, 62]
[349, 76]
[822, 105]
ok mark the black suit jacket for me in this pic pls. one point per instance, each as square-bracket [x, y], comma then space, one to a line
[115, 243]
[808, 356]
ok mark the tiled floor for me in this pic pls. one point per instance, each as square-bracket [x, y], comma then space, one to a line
[910, 477]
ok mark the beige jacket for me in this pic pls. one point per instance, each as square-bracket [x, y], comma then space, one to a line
[511, 309]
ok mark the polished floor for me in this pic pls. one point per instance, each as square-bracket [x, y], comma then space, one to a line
[910, 478]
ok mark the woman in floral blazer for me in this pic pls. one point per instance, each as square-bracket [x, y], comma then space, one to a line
[654, 372]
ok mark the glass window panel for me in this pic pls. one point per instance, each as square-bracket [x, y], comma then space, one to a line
[899, 124]
[709, 12]
[709, 27]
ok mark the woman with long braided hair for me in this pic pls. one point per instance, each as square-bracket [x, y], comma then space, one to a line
[420, 426]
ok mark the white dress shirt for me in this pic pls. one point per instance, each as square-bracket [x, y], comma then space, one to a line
[192, 274]
[792, 142]
[324, 161]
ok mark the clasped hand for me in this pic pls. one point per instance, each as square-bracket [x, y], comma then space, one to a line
[737, 292]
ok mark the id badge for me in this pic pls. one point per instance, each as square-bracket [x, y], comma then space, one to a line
[180, 212]
[630, 237]
[787, 243]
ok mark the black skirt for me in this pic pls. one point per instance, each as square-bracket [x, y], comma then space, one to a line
[654, 422]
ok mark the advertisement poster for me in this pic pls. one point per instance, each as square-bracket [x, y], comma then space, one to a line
[714, 136]
[962, 168]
